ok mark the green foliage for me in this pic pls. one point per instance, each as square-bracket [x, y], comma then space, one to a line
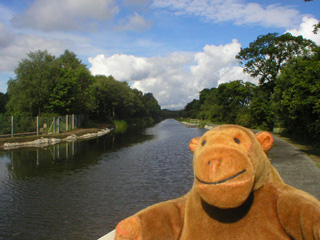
[191, 109]
[116, 100]
[5, 123]
[262, 110]
[72, 92]
[268, 54]
[151, 105]
[3, 101]
[165, 113]
[265, 58]
[45, 83]
[297, 94]
[229, 103]
[121, 126]
[35, 78]
[24, 123]
[63, 85]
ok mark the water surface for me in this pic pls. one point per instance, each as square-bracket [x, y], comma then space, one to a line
[81, 190]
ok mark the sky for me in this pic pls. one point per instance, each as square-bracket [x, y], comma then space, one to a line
[171, 48]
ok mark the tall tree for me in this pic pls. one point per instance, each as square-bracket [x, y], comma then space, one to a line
[73, 92]
[116, 99]
[192, 109]
[268, 54]
[35, 78]
[151, 105]
[45, 83]
[229, 103]
[297, 94]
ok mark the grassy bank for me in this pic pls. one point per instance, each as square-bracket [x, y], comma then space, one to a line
[92, 128]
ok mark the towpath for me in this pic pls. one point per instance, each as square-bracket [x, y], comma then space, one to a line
[295, 167]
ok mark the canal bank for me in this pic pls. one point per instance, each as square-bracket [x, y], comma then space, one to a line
[52, 139]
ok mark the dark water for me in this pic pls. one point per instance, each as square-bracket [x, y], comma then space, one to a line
[81, 190]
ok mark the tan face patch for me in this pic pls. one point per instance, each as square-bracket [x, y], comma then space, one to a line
[223, 170]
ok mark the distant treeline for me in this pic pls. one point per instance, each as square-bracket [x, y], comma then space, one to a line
[46, 84]
[288, 95]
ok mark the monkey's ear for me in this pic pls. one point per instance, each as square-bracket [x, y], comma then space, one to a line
[266, 141]
[193, 144]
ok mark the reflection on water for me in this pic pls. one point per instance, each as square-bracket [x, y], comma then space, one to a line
[81, 190]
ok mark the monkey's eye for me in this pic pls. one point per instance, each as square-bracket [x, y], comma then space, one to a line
[237, 140]
[204, 142]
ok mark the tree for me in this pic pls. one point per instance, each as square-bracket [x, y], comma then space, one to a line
[116, 99]
[261, 110]
[73, 92]
[228, 103]
[297, 94]
[3, 102]
[235, 97]
[151, 105]
[62, 98]
[265, 58]
[192, 109]
[268, 54]
[46, 84]
[35, 79]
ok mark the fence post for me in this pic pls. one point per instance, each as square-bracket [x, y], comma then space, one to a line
[72, 121]
[58, 124]
[67, 122]
[11, 126]
[38, 125]
[54, 124]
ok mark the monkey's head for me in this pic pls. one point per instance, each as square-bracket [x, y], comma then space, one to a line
[229, 163]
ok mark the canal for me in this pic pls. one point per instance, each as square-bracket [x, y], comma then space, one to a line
[81, 190]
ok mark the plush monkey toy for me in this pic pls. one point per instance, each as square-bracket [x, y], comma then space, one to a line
[237, 194]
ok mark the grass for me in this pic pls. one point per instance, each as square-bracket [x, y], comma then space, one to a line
[121, 126]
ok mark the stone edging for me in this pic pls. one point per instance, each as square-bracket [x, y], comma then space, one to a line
[45, 142]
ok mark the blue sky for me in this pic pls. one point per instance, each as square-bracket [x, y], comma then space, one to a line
[172, 48]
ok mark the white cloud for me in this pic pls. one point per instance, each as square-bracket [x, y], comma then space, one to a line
[134, 23]
[51, 15]
[122, 67]
[17, 49]
[15, 46]
[306, 30]
[227, 74]
[212, 59]
[235, 11]
[6, 36]
[177, 78]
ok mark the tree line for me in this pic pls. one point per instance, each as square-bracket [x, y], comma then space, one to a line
[287, 96]
[46, 84]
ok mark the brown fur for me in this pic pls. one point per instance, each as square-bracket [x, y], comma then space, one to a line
[237, 194]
